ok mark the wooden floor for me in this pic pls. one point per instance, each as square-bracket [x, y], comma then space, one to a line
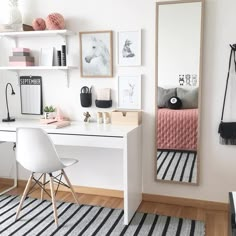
[216, 221]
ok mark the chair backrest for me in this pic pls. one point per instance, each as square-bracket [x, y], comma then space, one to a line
[35, 151]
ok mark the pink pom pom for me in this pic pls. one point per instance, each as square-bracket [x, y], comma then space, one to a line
[39, 24]
[55, 21]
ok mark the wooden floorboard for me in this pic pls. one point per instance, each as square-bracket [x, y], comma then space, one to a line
[216, 221]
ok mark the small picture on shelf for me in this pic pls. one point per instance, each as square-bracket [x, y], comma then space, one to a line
[46, 57]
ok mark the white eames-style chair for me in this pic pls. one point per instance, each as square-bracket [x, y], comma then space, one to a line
[36, 152]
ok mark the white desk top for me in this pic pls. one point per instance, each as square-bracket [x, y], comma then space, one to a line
[77, 128]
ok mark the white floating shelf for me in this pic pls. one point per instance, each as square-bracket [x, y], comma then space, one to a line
[44, 33]
[37, 33]
[37, 67]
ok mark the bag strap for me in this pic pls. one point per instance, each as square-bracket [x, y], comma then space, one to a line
[232, 52]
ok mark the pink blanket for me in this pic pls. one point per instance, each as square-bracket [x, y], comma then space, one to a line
[177, 129]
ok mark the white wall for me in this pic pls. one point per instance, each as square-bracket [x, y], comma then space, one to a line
[80, 16]
[217, 166]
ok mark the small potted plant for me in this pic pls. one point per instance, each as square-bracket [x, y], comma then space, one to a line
[49, 112]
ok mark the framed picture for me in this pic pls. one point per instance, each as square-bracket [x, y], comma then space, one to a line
[129, 48]
[129, 92]
[96, 54]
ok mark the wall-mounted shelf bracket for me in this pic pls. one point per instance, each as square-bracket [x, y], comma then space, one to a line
[63, 36]
[66, 73]
[18, 77]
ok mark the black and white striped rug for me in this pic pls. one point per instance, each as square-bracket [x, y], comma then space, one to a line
[36, 218]
[177, 165]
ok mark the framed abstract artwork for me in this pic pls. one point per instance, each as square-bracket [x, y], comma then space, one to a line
[129, 48]
[96, 54]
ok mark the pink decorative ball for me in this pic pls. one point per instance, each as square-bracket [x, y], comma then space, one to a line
[39, 24]
[55, 21]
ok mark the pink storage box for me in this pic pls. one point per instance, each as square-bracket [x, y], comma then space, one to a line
[20, 49]
[21, 63]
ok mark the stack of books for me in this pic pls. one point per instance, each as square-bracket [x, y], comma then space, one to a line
[21, 57]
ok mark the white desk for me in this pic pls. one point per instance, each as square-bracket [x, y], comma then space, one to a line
[127, 138]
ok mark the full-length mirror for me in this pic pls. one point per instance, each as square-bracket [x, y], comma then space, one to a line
[178, 48]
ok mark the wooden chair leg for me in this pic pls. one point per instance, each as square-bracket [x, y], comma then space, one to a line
[53, 200]
[43, 182]
[71, 187]
[24, 195]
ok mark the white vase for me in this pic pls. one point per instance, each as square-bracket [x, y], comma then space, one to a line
[13, 14]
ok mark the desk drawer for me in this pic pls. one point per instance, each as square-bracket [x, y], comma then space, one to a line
[7, 136]
[88, 141]
[74, 140]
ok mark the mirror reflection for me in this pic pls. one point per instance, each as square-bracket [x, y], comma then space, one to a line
[178, 70]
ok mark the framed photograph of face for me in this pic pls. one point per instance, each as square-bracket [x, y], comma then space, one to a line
[129, 92]
[96, 54]
[129, 48]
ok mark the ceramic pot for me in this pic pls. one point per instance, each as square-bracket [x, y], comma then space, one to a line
[49, 115]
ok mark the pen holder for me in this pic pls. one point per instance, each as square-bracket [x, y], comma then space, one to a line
[103, 103]
[86, 99]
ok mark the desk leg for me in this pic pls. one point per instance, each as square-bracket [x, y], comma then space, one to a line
[15, 179]
[132, 174]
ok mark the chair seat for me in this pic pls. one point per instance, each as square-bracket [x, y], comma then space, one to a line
[68, 161]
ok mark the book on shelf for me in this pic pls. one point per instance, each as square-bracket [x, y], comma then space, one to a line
[46, 56]
[21, 54]
[59, 58]
[63, 55]
[21, 50]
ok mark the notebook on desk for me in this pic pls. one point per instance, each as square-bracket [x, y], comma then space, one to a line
[52, 123]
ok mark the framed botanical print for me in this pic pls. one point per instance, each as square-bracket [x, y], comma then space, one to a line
[129, 92]
[129, 48]
[96, 54]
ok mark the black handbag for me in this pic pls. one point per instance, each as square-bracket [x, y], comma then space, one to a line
[227, 130]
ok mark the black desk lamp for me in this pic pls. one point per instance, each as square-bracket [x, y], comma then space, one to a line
[8, 119]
